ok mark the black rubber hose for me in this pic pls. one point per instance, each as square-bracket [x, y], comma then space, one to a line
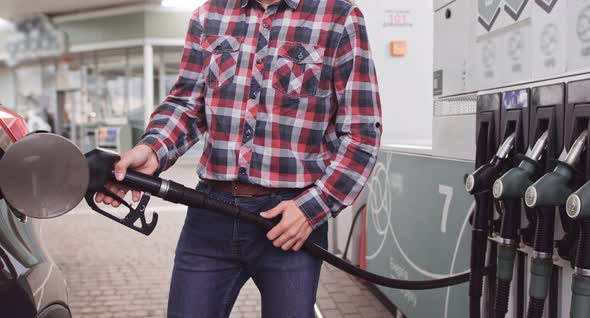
[583, 249]
[356, 215]
[541, 268]
[536, 307]
[502, 298]
[178, 193]
[479, 243]
[506, 256]
[544, 231]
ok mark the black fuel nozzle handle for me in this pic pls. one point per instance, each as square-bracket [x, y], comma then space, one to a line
[483, 178]
[100, 164]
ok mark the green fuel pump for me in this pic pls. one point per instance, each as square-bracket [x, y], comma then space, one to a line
[510, 189]
[578, 208]
[549, 192]
[479, 184]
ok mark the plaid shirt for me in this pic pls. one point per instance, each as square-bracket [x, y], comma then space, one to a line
[283, 97]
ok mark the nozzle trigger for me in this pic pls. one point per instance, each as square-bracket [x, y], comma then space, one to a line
[134, 214]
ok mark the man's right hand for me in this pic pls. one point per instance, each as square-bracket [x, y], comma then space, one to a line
[142, 159]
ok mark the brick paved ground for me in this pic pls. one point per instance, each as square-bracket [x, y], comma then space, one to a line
[113, 272]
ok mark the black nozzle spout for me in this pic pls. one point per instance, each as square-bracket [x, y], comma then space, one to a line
[483, 178]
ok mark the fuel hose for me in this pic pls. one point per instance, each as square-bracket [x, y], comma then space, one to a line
[578, 208]
[177, 193]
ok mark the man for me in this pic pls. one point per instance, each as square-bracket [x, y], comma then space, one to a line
[284, 93]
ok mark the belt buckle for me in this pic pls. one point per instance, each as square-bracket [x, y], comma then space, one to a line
[234, 186]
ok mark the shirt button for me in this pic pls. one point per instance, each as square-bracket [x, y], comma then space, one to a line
[248, 133]
[242, 170]
[265, 25]
[253, 95]
[259, 61]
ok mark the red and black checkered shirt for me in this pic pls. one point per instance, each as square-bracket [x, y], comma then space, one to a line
[284, 97]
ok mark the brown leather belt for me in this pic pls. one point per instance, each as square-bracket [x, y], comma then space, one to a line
[242, 189]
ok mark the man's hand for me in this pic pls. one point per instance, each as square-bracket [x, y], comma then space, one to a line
[292, 231]
[141, 159]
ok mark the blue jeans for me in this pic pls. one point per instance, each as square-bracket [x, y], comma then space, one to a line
[216, 255]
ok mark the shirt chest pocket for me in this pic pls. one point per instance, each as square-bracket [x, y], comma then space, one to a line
[297, 69]
[222, 63]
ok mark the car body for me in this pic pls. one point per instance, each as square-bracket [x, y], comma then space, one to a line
[31, 285]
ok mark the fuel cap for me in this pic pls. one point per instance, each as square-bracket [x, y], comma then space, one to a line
[43, 175]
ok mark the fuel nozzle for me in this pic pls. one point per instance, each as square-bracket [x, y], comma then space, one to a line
[510, 188]
[483, 178]
[553, 188]
[578, 208]
[513, 184]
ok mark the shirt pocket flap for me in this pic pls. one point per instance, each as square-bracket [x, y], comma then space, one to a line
[302, 53]
[221, 43]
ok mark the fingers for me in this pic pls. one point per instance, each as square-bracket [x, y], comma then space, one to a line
[274, 212]
[136, 195]
[117, 189]
[292, 237]
[287, 235]
[287, 246]
[122, 165]
[300, 243]
[99, 197]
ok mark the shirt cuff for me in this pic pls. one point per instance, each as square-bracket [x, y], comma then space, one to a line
[314, 206]
[159, 148]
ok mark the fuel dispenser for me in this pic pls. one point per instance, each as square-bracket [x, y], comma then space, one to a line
[546, 141]
[550, 193]
[547, 119]
[489, 161]
[507, 190]
[577, 203]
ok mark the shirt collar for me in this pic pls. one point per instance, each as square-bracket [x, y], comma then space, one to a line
[291, 3]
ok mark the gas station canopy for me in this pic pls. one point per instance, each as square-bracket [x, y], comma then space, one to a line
[10, 9]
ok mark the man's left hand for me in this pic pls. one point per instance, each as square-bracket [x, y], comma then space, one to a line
[293, 229]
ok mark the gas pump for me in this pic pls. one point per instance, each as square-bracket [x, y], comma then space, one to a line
[546, 138]
[578, 208]
[507, 190]
[552, 191]
[489, 161]
[577, 205]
